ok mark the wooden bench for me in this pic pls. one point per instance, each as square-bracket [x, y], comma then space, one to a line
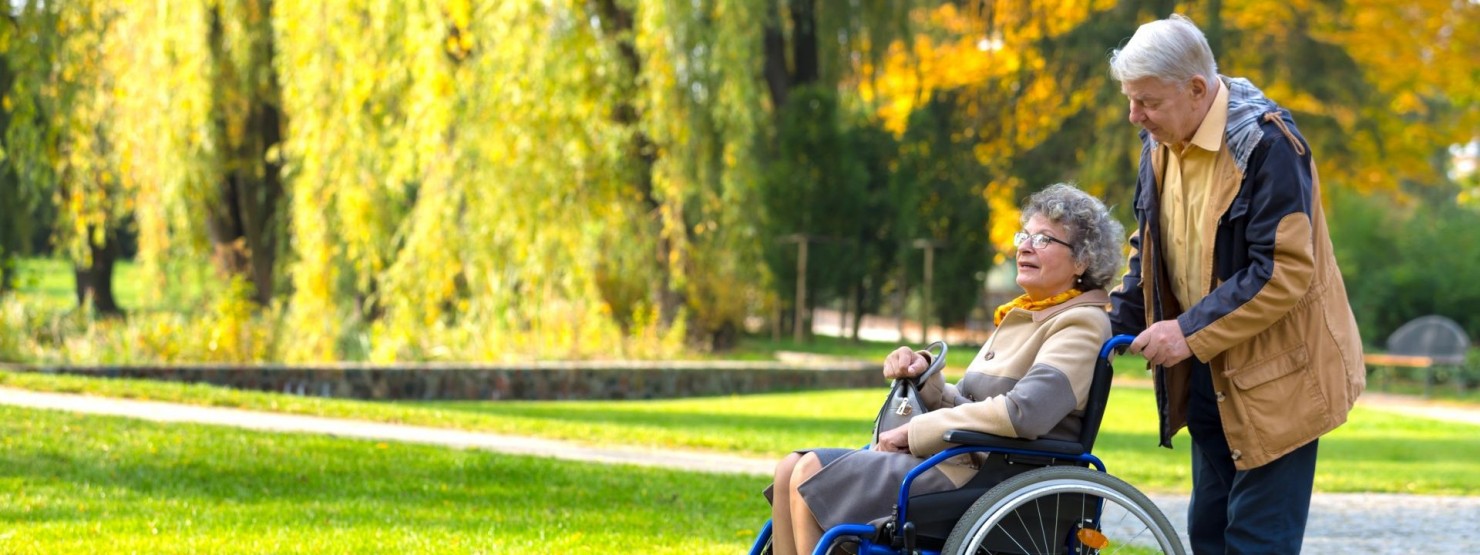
[1427, 343]
[1423, 363]
[1409, 361]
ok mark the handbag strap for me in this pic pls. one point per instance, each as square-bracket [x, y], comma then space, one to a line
[909, 388]
[937, 362]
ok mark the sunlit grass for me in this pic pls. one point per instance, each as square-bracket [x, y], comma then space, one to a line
[1375, 452]
[92, 484]
[49, 283]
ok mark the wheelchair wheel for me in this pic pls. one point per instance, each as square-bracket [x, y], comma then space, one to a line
[1063, 509]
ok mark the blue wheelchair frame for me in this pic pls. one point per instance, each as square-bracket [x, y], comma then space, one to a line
[901, 538]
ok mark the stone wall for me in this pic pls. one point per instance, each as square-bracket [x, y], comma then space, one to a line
[534, 381]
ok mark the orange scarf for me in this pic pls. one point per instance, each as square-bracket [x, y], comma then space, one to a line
[1026, 303]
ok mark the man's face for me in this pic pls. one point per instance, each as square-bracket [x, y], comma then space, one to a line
[1169, 110]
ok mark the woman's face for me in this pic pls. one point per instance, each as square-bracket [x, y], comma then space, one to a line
[1048, 271]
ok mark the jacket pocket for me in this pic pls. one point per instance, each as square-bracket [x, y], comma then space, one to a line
[1264, 371]
[1279, 400]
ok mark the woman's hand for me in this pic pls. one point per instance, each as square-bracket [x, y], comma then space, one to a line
[904, 362]
[895, 441]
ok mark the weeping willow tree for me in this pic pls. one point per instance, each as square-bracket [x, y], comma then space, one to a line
[151, 118]
[496, 180]
[164, 139]
[62, 104]
[349, 175]
[244, 195]
[17, 198]
[200, 129]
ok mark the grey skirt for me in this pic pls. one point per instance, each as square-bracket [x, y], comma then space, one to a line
[862, 486]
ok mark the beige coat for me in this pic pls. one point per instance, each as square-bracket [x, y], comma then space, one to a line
[1057, 345]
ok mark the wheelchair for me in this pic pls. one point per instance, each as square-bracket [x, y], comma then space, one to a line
[1057, 504]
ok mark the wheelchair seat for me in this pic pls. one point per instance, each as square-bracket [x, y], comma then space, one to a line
[935, 514]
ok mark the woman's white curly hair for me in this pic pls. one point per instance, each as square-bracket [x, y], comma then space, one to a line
[1096, 235]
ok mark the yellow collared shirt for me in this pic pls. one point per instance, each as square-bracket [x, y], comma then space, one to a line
[1184, 194]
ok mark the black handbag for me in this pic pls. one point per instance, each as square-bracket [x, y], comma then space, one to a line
[904, 401]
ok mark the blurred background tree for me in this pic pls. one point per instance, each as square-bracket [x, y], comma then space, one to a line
[456, 179]
[62, 107]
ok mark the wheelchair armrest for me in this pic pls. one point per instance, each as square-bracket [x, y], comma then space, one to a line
[979, 439]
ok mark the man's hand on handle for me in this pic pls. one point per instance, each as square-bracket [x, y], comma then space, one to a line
[1163, 344]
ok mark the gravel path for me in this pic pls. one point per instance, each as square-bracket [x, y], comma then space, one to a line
[1374, 523]
[1339, 523]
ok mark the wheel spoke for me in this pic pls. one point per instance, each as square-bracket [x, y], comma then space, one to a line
[1057, 505]
[1019, 516]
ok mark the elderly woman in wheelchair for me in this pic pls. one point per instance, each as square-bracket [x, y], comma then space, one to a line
[1027, 390]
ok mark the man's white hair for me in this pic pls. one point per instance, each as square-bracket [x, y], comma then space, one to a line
[1171, 49]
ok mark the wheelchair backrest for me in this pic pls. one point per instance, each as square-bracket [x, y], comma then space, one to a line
[1099, 390]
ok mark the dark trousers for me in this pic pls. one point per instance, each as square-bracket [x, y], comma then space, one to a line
[1258, 511]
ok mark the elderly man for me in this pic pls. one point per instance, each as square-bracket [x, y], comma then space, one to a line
[1232, 290]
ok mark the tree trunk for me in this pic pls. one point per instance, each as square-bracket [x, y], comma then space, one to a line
[801, 67]
[13, 208]
[95, 281]
[241, 225]
[804, 42]
[778, 77]
[11, 218]
[616, 25]
[859, 294]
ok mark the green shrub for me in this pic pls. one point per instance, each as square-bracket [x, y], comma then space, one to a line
[1402, 262]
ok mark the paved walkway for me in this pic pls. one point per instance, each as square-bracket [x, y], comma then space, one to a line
[1438, 410]
[358, 429]
[1339, 523]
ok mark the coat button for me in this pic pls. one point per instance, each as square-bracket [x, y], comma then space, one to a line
[1220, 397]
[1236, 454]
[989, 355]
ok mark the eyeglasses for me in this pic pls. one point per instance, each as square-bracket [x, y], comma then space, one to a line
[1040, 240]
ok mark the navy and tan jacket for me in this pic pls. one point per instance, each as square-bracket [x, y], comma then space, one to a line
[1274, 325]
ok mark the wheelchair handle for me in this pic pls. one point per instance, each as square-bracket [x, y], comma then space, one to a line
[1117, 343]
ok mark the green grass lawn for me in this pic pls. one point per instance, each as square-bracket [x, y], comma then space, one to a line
[88, 484]
[48, 282]
[1375, 452]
